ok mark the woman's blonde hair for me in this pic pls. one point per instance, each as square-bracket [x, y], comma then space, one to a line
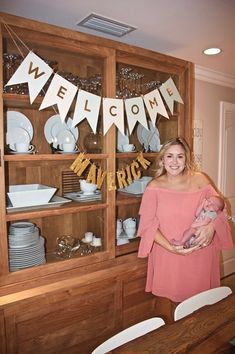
[189, 165]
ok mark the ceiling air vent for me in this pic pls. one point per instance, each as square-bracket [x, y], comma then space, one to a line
[106, 25]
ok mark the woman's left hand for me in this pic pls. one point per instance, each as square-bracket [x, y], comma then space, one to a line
[204, 235]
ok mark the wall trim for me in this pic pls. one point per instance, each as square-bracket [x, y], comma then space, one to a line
[215, 77]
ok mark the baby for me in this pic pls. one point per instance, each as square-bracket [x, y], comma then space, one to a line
[207, 211]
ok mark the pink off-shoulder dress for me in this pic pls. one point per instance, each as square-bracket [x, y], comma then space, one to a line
[170, 275]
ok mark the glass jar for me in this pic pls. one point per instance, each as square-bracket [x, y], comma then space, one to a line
[93, 142]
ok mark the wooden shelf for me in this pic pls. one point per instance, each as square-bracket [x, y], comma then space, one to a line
[72, 208]
[52, 157]
[128, 247]
[125, 199]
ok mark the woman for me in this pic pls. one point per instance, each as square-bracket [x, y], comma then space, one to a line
[167, 209]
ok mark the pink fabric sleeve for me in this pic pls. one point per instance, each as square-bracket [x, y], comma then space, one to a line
[148, 222]
[223, 235]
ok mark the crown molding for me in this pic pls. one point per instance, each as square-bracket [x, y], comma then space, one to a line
[215, 77]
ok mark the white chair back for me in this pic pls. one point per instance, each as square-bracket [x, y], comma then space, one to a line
[197, 301]
[129, 334]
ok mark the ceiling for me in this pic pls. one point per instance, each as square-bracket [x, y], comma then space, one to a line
[180, 28]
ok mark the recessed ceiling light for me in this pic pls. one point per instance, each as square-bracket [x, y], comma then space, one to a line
[106, 25]
[212, 51]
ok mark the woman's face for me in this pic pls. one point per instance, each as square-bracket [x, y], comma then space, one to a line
[174, 160]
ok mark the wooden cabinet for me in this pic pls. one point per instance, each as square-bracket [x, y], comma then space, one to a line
[107, 300]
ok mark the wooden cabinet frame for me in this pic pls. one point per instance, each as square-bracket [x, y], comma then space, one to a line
[116, 268]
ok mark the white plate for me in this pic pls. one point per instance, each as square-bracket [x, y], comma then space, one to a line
[121, 140]
[21, 153]
[17, 135]
[149, 138]
[80, 196]
[18, 119]
[55, 201]
[67, 152]
[54, 125]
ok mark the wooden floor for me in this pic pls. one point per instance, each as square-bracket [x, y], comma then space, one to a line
[229, 281]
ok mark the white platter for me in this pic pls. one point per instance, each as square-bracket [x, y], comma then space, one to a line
[54, 125]
[80, 196]
[55, 202]
[136, 193]
[18, 119]
[21, 153]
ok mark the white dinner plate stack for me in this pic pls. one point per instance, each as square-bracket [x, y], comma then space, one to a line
[26, 246]
[19, 129]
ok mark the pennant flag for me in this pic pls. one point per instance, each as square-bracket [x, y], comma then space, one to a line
[135, 112]
[113, 113]
[155, 105]
[87, 107]
[170, 94]
[34, 71]
[60, 92]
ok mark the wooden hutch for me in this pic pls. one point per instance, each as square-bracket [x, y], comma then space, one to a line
[70, 305]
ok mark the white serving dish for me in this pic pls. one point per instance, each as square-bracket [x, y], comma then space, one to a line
[137, 187]
[22, 195]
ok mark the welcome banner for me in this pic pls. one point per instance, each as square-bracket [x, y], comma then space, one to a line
[35, 72]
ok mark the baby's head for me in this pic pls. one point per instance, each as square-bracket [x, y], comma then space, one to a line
[214, 203]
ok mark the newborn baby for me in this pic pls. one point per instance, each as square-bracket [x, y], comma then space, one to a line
[207, 211]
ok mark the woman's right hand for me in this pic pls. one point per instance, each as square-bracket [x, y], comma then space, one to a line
[183, 251]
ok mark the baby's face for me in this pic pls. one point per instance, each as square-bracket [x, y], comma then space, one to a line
[212, 204]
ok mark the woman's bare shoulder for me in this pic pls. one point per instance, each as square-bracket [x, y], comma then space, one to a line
[156, 182]
[200, 179]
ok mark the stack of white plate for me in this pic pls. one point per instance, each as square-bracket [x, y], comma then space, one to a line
[19, 129]
[26, 246]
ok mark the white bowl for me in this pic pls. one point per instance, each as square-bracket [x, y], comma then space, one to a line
[86, 187]
[22, 195]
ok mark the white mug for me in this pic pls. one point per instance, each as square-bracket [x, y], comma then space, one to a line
[96, 241]
[68, 147]
[23, 147]
[88, 236]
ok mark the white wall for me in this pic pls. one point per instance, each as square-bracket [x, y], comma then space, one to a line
[207, 109]
[208, 94]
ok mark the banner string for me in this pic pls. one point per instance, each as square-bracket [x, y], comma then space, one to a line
[12, 33]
